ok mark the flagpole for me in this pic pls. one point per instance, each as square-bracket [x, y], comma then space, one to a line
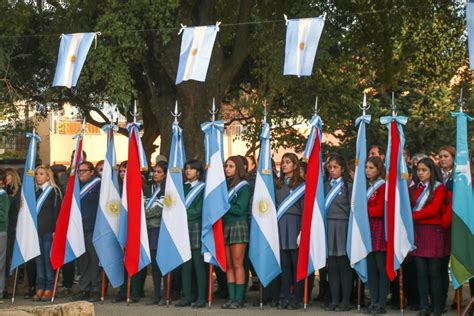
[260, 290]
[458, 300]
[102, 290]
[14, 286]
[129, 281]
[209, 294]
[359, 294]
[305, 297]
[55, 285]
[168, 289]
[402, 293]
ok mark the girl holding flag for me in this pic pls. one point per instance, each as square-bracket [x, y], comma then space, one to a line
[377, 276]
[289, 198]
[236, 230]
[338, 204]
[427, 200]
[48, 204]
[194, 192]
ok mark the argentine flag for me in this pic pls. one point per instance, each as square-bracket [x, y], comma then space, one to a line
[105, 237]
[68, 241]
[264, 246]
[26, 244]
[137, 250]
[196, 50]
[302, 39]
[359, 242]
[216, 200]
[398, 216]
[174, 247]
[312, 251]
[71, 57]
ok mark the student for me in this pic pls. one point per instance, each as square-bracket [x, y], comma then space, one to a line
[338, 203]
[377, 276]
[289, 202]
[48, 204]
[194, 192]
[236, 230]
[427, 200]
[4, 209]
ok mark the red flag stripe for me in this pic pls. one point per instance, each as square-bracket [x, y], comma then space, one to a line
[218, 232]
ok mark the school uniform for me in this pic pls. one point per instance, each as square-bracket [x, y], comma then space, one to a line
[337, 215]
[4, 208]
[377, 276]
[289, 228]
[88, 263]
[194, 189]
[430, 245]
[48, 205]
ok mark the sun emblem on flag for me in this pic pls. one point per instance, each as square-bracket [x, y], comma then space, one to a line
[30, 172]
[263, 206]
[194, 51]
[113, 207]
[356, 163]
[73, 59]
[301, 46]
[168, 200]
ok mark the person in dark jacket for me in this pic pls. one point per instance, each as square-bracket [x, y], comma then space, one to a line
[4, 209]
[48, 204]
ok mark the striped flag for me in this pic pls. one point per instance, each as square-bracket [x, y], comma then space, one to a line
[196, 49]
[462, 254]
[137, 250]
[398, 217]
[359, 242]
[312, 251]
[174, 247]
[216, 200]
[302, 39]
[71, 57]
[68, 240]
[26, 244]
[264, 246]
[105, 237]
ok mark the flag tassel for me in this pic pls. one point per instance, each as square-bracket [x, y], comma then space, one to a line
[209, 294]
[14, 285]
[55, 287]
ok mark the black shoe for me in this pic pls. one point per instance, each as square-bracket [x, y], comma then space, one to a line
[94, 297]
[368, 310]
[154, 301]
[254, 287]
[162, 302]
[119, 298]
[227, 304]
[331, 307]
[423, 313]
[183, 303]
[236, 305]
[30, 293]
[379, 310]
[134, 300]
[63, 292]
[81, 296]
[283, 304]
[198, 304]
[294, 306]
[414, 307]
[343, 308]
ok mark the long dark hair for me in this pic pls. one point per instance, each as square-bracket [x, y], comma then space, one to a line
[378, 163]
[434, 177]
[345, 172]
[240, 173]
[164, 166]
[296, 179]
[196, 165]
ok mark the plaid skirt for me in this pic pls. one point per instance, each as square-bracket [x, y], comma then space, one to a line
[447, 243]
[236, 232]
[195, 235]
[377, 232]
[430, 241]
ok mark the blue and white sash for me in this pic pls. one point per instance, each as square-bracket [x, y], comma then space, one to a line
[42, 198]
[333, 192]
[421, 201]
[291, 199]
[235, 190]
[374, 187]
[193, 193]
[152, 198]
[89, 186]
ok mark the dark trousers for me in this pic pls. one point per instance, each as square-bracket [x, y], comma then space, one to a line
[135, 285]
[377, 278]
[340, 279]
[272, 291]
[88, 266]
[31, 273]
[196, 265]
[44, 270]
[445, 279]
[430, 283]
[69, 271]
[156, 275]
[324, 293]
[288, 259]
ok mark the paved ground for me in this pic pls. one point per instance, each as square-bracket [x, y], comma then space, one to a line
[109, 308]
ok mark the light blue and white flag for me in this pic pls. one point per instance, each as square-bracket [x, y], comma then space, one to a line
[470, 32]
[302, 39]
[264, 246]
[71, 57]
[105, 237]
[174, 247]
[216, 200]
[359, 242]
[26, 245]
[462, 238]
[196, 49]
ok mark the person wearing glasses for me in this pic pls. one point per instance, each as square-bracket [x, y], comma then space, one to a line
[88, 263]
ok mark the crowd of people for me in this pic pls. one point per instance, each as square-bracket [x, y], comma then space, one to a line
[426, 280]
